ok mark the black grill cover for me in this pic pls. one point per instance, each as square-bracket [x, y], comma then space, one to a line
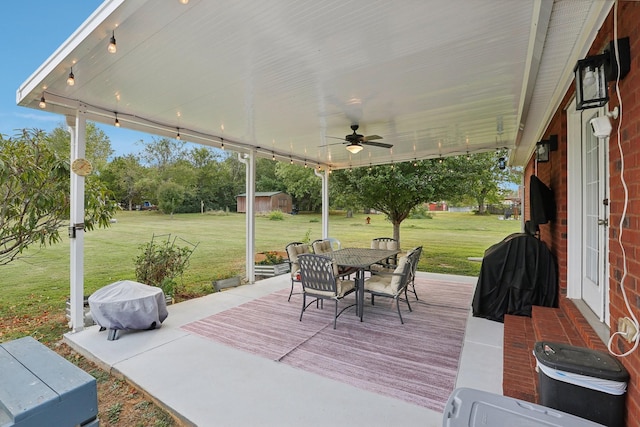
[516, 273]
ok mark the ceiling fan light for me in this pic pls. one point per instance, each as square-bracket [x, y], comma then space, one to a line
[354, 148]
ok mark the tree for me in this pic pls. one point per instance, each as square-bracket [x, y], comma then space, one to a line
[163, 152]
[98, 145]
[266, 177]
[121, 176]
[34, 183]
[395, 189]
[482, 177]
[302, 184]
[170, 196]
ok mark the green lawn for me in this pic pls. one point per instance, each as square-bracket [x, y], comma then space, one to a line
[35, 288]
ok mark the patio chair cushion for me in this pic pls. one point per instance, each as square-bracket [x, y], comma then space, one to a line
[342, 287]
[322, 247]
[388, 283]
[391, 245]
[293, 251]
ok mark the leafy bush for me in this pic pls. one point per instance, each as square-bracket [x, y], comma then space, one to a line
[160, 263]
[276, 216]
[307, 237]
[420, 212]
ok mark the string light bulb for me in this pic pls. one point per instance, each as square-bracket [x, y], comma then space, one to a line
[290, 160]
[222, 143]
[116, 122]
[273, 156]
[42, 103]
[178, 134]
[112, 48]
[71, 80]
[305, 164]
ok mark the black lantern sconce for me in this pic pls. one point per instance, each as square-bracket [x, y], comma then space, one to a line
[502, 163]
[545, 147]
[593, 74]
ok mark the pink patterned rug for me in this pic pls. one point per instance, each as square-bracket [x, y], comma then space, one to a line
[416, 362]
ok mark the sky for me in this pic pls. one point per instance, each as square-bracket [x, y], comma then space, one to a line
[31, 31]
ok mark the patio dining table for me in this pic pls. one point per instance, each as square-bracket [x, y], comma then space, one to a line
[361, 259]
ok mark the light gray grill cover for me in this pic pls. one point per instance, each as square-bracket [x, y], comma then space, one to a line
[128, 305]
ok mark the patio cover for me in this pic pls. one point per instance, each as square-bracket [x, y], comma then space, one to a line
[286, 80]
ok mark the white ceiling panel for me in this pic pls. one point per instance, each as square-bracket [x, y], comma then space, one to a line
[287, 77]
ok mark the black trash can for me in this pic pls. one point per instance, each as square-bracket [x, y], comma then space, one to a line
[588, 383]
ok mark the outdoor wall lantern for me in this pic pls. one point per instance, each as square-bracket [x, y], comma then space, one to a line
[502, 163]
[544, 147]
[593, 73]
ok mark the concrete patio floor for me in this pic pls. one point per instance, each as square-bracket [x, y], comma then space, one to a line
[209, 384]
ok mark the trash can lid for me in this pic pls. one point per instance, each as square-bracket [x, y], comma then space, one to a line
[580, 360]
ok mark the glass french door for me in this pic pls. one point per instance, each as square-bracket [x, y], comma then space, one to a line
[594, 217]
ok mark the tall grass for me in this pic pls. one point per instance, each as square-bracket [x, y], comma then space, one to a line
[38, 284]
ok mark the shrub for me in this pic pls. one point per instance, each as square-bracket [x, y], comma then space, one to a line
[276, 216]
[420, 212]
[160, 263]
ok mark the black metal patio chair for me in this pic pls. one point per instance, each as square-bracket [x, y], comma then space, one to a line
[414, 257]
[391, 284]
[293, 250]
[320, 281]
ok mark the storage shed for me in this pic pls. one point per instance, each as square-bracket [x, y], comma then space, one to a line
[266, 202]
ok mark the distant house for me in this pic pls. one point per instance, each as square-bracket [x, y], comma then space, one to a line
[266, 202]
[438, 206]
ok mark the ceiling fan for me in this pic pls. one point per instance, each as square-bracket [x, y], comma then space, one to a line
[355, 141]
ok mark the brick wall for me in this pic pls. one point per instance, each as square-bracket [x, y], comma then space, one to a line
[554, 174]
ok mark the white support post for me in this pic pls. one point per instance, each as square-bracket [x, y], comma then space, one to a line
[250, 190]
[325, 201]
[77, 130]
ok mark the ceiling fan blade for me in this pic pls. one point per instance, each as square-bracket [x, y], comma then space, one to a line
[335, 137]
[371, 137]
[377, 144]
[334, 143]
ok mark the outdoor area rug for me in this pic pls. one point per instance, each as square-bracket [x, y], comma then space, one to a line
[416, 362]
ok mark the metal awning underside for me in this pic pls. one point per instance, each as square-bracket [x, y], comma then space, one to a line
[431, 77]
